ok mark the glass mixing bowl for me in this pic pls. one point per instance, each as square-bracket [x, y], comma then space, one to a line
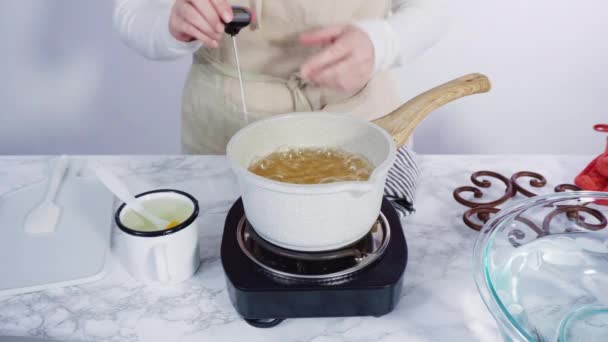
[541, 267]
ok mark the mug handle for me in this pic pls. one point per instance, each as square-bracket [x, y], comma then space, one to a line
[160, 261]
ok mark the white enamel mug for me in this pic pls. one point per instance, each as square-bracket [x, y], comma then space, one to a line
[167, 256]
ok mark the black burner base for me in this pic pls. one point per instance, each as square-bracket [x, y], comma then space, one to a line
[264, 301]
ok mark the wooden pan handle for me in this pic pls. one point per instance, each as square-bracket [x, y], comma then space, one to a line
[401, 122]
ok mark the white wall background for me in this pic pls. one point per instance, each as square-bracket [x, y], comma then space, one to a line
[548, 62]
[68, 85]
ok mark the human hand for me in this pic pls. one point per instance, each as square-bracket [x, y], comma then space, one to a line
[201, 20]
[346, 64]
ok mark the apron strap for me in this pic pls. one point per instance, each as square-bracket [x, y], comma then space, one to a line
[256, 5]
[296, 86]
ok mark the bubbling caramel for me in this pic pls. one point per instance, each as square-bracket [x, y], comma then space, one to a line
[313, 166]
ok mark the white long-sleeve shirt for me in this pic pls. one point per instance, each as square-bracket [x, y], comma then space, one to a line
[414, 26]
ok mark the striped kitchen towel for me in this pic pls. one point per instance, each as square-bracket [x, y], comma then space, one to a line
[401, 182]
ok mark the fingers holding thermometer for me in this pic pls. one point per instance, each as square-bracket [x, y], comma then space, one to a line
[201, 20]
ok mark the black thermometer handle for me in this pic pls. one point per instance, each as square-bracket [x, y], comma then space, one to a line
[241, 18]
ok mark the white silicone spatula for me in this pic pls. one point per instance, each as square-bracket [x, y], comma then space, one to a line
[120, 190]
[43, 218]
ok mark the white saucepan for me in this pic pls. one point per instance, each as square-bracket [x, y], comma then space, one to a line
[321, 217]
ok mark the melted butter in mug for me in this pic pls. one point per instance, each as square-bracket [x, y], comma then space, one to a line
[313, 166]
[172, 210]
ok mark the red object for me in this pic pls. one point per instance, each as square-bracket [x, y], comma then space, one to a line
[595, 176]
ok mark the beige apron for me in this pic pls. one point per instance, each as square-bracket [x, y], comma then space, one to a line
[270, 57]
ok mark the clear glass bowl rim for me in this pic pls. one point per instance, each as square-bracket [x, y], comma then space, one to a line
[506, 323]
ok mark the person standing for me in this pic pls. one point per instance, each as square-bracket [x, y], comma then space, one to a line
[296, 56]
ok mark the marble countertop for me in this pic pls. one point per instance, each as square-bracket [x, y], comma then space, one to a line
[439, 300]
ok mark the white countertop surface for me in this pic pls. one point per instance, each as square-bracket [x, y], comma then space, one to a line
[439, 300]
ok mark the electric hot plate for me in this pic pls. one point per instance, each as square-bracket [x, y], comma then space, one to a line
[267, 283]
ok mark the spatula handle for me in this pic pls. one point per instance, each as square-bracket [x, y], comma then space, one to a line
[61, 165]
[120, 190]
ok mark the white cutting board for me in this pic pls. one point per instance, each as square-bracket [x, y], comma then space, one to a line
[75, 253]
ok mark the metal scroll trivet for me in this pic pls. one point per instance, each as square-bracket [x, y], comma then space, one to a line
[484, 210]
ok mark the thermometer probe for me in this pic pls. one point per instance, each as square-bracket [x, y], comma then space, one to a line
[242, 18]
